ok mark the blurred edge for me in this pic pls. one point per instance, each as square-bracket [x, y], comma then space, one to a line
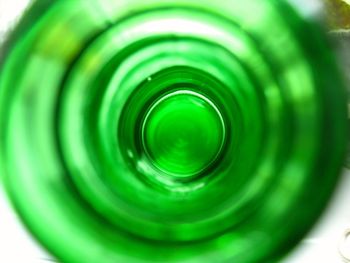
[341, 38]
[338, 16]
[337, 13]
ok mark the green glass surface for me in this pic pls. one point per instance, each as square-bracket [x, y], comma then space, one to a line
[182, 134]
[169, 131]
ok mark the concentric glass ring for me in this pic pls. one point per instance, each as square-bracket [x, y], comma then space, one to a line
[169, 131]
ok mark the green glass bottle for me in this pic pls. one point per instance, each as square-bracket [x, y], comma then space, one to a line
[169, 131]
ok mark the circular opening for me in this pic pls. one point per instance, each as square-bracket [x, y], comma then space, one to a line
[183, 133]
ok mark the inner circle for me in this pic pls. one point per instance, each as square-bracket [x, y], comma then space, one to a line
[183, 133]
